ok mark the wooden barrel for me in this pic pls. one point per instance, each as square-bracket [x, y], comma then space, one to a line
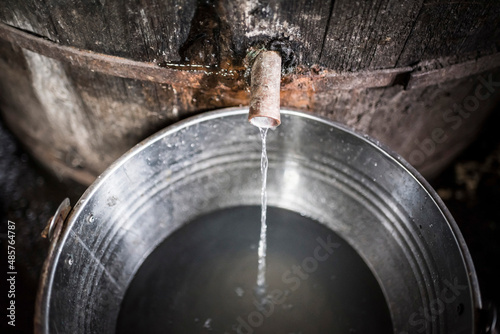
[81, 82]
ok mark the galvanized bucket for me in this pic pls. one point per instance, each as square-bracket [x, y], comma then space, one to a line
[352, 185]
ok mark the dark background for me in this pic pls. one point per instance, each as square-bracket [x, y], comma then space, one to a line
[29, 195]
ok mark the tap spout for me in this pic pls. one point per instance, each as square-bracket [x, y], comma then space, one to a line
[265, 90]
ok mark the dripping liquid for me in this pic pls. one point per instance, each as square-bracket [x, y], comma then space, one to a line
[261, 272]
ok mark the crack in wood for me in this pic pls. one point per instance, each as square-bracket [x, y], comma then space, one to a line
[332, 3]
[409, 33]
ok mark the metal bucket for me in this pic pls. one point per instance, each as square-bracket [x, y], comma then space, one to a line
[351, 185]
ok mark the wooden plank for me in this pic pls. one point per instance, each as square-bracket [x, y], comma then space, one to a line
[367, 34]
[111, 65]
[142, 30]
[385, 33]
[32, 16]
[192, 76]
[317, 80]
[341, 35]
[452, 28]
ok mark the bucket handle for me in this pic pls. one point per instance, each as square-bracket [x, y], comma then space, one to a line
[488, 319]
[56, 222]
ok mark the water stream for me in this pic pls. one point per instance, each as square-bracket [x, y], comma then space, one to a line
[261, 274]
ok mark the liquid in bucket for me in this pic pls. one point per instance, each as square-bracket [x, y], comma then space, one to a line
[201, 279]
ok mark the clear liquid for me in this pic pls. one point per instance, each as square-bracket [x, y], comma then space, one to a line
[201, 279]
[261, 273]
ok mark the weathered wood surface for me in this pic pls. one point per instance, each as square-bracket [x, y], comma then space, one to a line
[78, 121]
[343, 35]
[193, 76]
